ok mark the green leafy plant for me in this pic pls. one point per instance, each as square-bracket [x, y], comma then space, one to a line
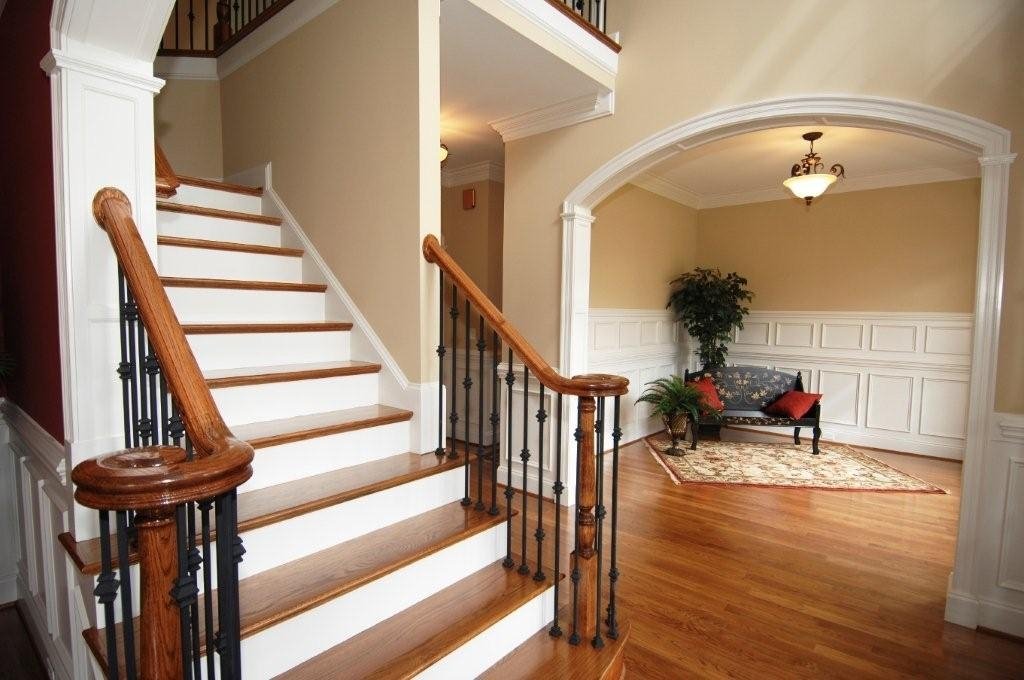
[670, 397]
[710, 305]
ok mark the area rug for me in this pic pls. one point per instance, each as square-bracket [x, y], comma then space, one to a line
[837, 466]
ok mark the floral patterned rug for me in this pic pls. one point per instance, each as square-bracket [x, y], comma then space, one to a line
[838, 466]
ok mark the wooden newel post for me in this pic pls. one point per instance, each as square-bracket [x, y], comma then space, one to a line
[159, 635]
[586, 551]
[222, 29]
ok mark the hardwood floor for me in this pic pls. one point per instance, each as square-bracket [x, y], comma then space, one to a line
[744, 582]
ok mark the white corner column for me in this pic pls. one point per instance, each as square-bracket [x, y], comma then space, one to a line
[987, 586]
[102, 90]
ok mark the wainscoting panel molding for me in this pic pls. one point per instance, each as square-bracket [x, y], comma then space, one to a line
[896, 381]
[642, 345]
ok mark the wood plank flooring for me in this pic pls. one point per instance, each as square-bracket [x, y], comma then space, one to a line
[19, 658]
[744, 582]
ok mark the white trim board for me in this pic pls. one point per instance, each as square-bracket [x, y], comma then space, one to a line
[989, 142]
[477, 172]
[396, 389]
[558, 115]
[694, 199]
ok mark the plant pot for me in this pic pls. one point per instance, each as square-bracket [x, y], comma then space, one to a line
[676, 426]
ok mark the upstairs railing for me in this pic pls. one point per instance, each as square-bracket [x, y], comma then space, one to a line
[594, 13]
[587, 615]
[207, 28]
[172, 491]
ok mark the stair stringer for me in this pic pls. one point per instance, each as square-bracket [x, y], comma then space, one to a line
[396, 388]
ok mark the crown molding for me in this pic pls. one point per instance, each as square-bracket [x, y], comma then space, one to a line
[57, 60]
[561, 114]
[1011, 426]
[670, 190]
[185, 68]
[477, 172]
[693, 199]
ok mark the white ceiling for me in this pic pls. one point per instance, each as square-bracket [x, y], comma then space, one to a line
[489, 72]
[749, 168]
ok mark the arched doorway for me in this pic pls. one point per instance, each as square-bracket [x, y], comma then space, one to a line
[990, 143]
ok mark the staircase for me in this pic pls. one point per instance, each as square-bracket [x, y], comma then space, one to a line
[362, 559]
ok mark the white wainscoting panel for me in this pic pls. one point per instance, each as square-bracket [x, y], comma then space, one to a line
[890, 380]
[654, 352]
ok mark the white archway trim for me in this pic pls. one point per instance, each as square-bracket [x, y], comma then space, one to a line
[989, 142]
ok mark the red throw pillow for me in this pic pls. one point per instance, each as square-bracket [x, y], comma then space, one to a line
[706, 385]
[793, 404]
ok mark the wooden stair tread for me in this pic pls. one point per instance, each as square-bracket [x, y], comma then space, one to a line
[278, 594]
[301, 327]
[414, 639]
[260, 375]
[266, 506]
[183, 242]
[220, 186]
[541, 657]
[284, 430]
[187, 209]
[186, 282]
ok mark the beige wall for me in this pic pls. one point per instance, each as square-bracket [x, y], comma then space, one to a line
[347, 110]
[640, 242]
[902, 249]
[188, 118]
[684, 58]
[474, 237]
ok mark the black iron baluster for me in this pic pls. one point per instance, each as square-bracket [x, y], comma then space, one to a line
[176, 40]
[453, 417]
[613, 572]
[557, 488]
[124, 368]
[124, 571]
[574, 637]
[229, 555]
[524, 455]
[467, 385]
[441, 351]
[152, 374]
[205, 507]
[130, 313]
[191, 25]
[206, 25]
[599, 514]
[165, 413]
[480, 347]
[238, 23]
[495, 420]
[542, 417]
[598, 16]
[184, 593]
[145, 424]
[106, 593]
[510, 379]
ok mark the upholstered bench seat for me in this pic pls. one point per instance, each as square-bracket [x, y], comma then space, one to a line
[746, 391]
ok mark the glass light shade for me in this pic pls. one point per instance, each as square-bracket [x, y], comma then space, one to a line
[809, 186]
[444, 153]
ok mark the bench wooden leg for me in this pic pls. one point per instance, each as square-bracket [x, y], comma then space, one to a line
[817, 436]
[796, 436]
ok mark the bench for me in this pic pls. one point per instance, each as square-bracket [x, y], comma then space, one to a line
[746, 391]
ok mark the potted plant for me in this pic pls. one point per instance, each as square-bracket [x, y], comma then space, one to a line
[710, 305]
[677, 403]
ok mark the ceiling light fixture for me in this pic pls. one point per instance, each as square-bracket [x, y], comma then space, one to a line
[444, 153]
[807, 178]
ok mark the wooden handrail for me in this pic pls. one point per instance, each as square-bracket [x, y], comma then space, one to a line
[167, 182]
[159, 476]
[595, 385]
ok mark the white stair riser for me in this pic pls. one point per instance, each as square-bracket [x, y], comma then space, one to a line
[217, 228]
[215, 198]
[288, 540]
[295, 460]
[291, 642]
[490, 646]
[227, 305]
[271, 401]
[206, 263]
[239, 350]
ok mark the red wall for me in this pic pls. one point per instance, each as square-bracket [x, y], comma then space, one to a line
[28, 260]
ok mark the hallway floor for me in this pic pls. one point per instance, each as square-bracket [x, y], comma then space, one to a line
[746, 582]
